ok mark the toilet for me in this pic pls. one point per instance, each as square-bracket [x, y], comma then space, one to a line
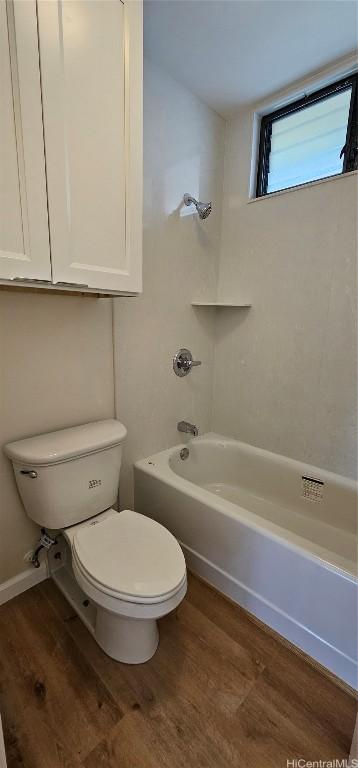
[121, 571]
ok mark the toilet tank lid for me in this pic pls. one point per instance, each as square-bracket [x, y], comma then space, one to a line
[65, 444]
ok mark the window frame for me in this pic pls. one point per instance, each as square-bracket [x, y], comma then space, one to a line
[349, 149]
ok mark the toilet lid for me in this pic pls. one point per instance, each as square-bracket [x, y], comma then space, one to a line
[131, 555]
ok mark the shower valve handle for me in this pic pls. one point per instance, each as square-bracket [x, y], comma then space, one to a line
[183, 362]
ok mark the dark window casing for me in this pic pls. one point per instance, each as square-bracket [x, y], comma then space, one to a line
[349, 150]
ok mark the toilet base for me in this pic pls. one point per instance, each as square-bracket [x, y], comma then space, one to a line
[131, 641]
[125, 638]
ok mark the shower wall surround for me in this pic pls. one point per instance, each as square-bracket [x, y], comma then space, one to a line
[183, 152]
[285, 371]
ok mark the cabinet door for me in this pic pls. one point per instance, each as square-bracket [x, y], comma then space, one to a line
[83, 51]
[24, 237]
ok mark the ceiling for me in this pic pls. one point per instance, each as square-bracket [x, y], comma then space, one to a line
[234, 52]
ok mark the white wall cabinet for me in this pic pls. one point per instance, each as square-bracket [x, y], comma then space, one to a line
[24, 236]
[71, 145]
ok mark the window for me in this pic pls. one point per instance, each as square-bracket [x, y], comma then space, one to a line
[310, 139]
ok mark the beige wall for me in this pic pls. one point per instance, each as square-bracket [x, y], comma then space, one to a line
[285, 371]
[56, 371]
[183, 151]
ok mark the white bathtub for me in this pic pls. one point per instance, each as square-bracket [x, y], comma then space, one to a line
[256, 526]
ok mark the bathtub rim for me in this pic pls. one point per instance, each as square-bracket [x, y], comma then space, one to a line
[158, 465]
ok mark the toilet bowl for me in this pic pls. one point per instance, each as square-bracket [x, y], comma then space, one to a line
[121, 571]
[134, 571]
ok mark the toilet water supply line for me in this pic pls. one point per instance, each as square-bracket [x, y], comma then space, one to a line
[46, 542]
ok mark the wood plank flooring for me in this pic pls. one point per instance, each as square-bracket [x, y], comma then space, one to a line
[219, 693]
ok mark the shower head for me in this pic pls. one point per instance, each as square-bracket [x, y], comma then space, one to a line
[203, 209]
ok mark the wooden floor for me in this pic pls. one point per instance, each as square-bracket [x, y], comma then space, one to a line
[219, 692]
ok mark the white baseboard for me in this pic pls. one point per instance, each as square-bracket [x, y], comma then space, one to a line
[23, 581]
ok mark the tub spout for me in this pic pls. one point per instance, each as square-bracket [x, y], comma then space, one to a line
[184, 426]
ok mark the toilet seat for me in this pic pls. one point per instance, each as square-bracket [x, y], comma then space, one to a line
[129, 557]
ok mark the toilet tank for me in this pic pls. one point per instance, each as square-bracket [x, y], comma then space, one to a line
[70, 475]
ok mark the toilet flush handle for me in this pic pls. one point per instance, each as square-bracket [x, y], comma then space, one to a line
[29, 472]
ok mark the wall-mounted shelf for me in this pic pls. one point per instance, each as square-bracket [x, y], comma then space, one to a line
[221, 304]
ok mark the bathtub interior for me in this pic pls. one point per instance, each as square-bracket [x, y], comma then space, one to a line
[276, 489]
